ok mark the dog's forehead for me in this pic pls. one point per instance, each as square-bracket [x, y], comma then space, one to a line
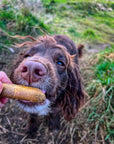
[39, 46]
[46, 48]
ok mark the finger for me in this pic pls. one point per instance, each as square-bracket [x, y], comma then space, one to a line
[3, 100]
[4, 78]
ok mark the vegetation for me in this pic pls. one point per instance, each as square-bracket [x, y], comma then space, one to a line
[18, 21]
[92, 21]
[101, 90]
[88, 22]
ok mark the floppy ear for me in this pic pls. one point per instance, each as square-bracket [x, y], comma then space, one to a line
[73, 96]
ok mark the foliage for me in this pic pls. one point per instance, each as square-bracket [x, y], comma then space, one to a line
[91, 22]
[19, 21]
[101, 90]
[89, 33]
[105, 67]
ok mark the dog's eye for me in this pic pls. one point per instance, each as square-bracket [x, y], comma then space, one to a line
[60, 63]
[26, 55]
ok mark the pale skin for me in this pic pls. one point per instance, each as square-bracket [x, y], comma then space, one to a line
[3, 79]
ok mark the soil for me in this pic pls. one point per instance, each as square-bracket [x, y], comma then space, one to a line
[13, 121]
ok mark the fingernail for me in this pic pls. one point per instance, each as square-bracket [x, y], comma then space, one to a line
[43, 91]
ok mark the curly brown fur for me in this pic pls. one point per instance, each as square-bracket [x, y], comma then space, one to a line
[57, 57]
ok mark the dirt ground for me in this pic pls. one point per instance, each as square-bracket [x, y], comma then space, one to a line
[13, 121]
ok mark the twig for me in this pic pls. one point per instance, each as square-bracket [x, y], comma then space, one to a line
[102, 136]
[8, 121]
[16, 133]
[4, 129]
[83, 137]
[23, 139]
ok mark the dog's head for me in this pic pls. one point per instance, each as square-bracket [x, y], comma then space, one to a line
[51, 64]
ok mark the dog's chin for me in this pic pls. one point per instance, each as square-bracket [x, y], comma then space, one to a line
[37, 108]
[33, 107]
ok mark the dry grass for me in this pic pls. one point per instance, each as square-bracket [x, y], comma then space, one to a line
[13, 122]
[81, 130]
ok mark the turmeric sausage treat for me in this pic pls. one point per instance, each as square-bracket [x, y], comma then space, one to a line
[23, 93]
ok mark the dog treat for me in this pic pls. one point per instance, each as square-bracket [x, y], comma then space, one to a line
[23, 93]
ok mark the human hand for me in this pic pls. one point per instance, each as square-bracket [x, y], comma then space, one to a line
[3, 79]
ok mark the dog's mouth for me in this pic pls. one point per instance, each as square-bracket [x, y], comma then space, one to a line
[33, 107]
[31, 104]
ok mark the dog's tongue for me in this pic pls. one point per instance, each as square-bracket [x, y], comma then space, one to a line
[25, 101]
[43, 91]
[29, 101]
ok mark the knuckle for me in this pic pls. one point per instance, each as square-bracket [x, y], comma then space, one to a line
[2, 75]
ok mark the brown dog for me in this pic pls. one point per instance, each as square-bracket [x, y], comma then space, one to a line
[50, 64]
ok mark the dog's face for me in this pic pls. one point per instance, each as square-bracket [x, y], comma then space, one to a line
[45, 65]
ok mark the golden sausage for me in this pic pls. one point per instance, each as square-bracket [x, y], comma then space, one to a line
[22, 93]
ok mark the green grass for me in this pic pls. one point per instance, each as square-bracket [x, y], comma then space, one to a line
[19, 21]
[82, 16]
[73, 1]
[104, 69]
[101, 90]
[84, 22]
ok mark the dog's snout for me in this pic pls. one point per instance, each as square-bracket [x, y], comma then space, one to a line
[33, 71]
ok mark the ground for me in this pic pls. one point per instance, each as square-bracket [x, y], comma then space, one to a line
[83, 26]
[14, 121]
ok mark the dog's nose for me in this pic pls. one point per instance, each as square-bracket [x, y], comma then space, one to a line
[33, 71]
